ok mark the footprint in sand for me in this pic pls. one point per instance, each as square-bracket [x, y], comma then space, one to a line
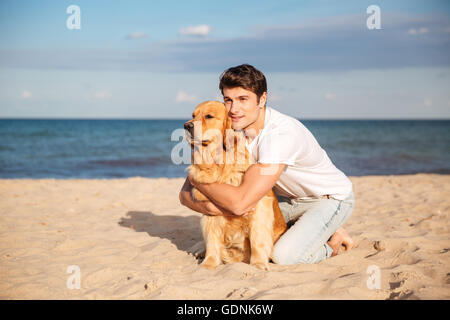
[400, 284]
[241, 293]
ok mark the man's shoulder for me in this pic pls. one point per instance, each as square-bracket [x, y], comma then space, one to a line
[282, 139]
[281, 122]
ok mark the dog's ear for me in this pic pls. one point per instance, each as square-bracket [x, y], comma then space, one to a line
[227, 126]
[227, 122]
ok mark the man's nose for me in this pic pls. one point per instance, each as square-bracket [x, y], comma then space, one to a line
[188, 125]
[234, 108]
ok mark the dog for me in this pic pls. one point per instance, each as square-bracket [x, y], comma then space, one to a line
[219, 155]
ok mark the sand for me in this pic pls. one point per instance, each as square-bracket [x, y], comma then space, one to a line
[129, 239]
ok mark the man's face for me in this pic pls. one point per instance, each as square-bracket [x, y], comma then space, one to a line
[242, 106]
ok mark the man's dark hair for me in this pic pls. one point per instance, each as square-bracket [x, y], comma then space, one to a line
[245, 76]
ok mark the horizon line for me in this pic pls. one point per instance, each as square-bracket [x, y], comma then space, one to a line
[184, 119]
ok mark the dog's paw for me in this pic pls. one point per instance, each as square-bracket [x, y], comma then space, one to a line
[198, 250]
[261, 265]
[209, 263]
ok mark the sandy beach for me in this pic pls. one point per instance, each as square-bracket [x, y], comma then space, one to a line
[130, 240]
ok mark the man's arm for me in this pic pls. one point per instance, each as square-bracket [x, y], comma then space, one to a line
[204, 207]
[256, 183]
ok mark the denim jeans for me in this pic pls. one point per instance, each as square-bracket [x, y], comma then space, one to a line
[311, 223]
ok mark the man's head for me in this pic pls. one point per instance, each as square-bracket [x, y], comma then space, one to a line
[244, 90]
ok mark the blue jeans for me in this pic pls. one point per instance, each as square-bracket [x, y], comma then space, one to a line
[312, 221]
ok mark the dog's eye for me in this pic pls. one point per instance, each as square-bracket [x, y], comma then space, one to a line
[208, 116]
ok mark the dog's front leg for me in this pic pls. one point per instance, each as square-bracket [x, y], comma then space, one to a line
[261, 233]
[213, 237]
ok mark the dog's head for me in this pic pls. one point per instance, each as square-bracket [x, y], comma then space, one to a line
[208, 125]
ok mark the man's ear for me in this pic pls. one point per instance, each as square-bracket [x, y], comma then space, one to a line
[263, 99]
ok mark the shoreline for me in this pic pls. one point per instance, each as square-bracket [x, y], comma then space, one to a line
[130, 238]
[172, 178]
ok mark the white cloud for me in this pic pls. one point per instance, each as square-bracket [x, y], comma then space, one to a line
[414, 31]
[200, 31]
[26, 94]
[330, 96]
[299, 47]
[136, 35]
[185, 97]
[428, 102]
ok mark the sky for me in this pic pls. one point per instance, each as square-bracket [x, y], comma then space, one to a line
[159, 59]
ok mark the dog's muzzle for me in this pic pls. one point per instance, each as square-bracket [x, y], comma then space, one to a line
[189, 126]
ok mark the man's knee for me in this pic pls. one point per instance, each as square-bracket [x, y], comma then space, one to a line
[285, 255]
[281, 256]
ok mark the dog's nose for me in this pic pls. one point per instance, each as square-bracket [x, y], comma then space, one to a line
[188, 125]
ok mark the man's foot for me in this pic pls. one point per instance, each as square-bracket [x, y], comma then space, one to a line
[338, 239]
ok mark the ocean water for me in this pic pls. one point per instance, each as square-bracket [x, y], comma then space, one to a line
[31, 148]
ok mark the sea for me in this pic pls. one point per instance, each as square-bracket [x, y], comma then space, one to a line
[107, 149]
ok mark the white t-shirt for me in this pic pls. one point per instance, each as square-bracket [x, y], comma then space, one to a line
[309, 171]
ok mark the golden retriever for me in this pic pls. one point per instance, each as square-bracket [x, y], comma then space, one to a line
[219, 155]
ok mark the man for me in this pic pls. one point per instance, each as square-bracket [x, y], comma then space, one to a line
[315, 197]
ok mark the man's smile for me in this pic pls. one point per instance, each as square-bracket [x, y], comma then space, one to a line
[236, 118]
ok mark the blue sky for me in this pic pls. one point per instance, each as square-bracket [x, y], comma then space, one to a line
[149, 59]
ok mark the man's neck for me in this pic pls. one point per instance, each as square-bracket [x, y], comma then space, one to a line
[253, 130]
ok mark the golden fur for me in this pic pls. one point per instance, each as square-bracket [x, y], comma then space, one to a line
[230, 238]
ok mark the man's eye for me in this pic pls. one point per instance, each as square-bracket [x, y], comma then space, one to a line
[208, 116]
